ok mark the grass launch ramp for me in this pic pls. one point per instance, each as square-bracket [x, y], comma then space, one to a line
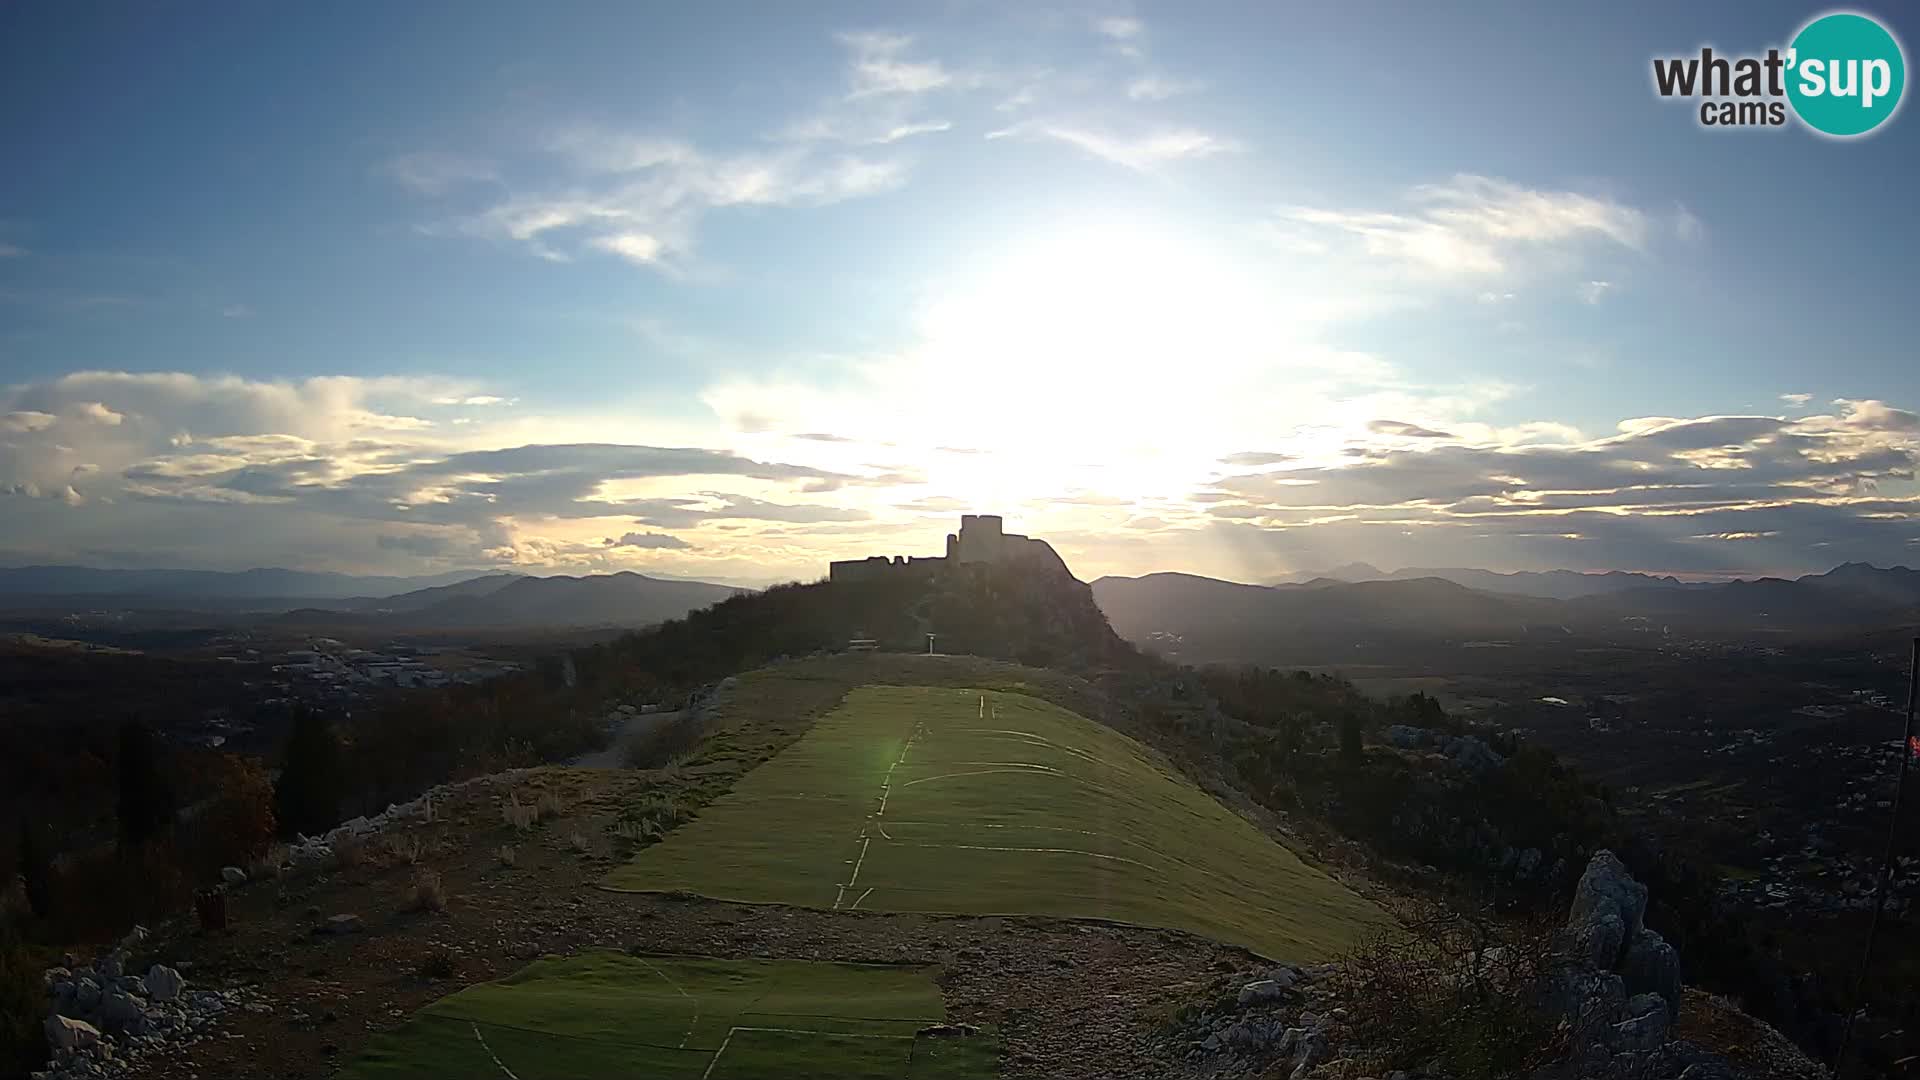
[983, 802]
[614, 1016]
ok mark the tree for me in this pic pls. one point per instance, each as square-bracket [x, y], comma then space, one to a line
[312, 778]
[145, 808]
[36, 867]
[1350, 737]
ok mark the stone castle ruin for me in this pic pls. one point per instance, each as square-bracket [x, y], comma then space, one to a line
[982, 539]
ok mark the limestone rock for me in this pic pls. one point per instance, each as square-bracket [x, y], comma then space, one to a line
[1651, 966]
[66, 1033]
[233, 875]
[1645, 1027]
[1262, 992]
[1608, 886]
[164, 983]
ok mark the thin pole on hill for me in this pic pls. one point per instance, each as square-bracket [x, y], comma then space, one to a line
[1886, 863]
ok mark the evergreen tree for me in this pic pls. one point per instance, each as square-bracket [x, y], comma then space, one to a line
[306, 799]
[145, 807]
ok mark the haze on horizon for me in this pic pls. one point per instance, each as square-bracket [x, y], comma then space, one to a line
[727, 293]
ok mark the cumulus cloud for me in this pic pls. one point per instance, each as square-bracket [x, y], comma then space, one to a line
[1405, 430]
[1663, 493]
[649, 541]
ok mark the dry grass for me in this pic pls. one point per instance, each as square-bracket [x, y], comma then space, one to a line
[548, 805]
[578, 841]
[505, 854]
[428, 892]
[401, 848]
[519, 815]
[269, 866]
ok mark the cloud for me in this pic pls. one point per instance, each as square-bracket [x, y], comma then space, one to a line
[236, 311]
[1140, 152]
[1593, 292]
[880, 66]
[1404, 430]
[1252, 457]
[431, 172]
[1159, 88]
[26, 420]
[1796, 400]
[1795, 492]
[650, 541]
[1120, 27]
[12, 251]
[1479, 225]
[640, 196]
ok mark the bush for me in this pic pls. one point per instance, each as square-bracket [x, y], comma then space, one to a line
[427, 893]
[238, 827]
[22, 1006]
[437, 964]
[1461, 991]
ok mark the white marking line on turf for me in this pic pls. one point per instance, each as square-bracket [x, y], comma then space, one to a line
[1037, 740]
[863, 896]
[691, 1024]
[1041, 851]
[1027, 770]
[873, 819]
[783, 1031]
[496, 1057]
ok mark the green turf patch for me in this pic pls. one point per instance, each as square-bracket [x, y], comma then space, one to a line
[985, 802]
[612, 1015]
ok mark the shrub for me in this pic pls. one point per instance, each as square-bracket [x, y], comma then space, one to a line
[22, 1005]
[517, 814]
[548, 806]
[349, 852]
[437, 964]
[36, 866]
[1458, 990]
[238, 827]
[401, 848]
[427, 892]
[505, 854]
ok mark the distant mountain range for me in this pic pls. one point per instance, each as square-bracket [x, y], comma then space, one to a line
[1206, 620]
[264, 583]
[512, 600]
[1558, 584]
[463, 599]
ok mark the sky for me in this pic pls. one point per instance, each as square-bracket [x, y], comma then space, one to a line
[725, 291]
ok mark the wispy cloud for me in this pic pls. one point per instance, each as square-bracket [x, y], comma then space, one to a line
[1479, 225]
[1159, 88]
[881, 66]
[1141, 152]
[11, 251]
[431, 172]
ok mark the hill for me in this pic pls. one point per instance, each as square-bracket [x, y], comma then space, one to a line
[986, 802]
[1205, 620]
[1552, 584]
[514, 601]
[181, 586]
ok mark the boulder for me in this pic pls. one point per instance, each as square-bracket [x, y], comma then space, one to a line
[68, 1034]
[1262, 992]
[233, 875]
[164, 983]
[1651, 966]
[1645, 1027]
[1311, 1050]
[1607, 886]
[86, 994]
[120, 1011]
[111, 966]
[1599, 941]
[1407, 738]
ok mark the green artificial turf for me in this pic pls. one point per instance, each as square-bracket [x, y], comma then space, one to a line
[985, 802]
[610, 1015]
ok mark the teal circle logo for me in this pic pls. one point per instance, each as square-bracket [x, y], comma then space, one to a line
[1845, 73]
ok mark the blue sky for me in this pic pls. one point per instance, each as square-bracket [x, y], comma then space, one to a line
[1243, 289]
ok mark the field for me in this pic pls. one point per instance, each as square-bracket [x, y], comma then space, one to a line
[983, 802]
[612, 1015]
